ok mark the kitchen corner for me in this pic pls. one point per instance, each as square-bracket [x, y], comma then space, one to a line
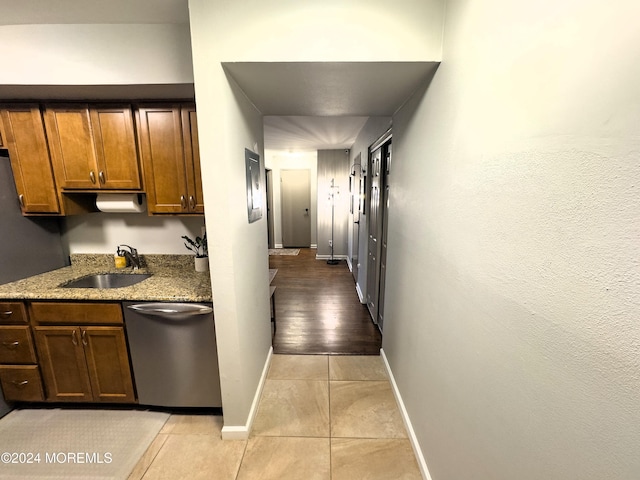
[120, 344]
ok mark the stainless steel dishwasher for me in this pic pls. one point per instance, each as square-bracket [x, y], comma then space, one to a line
[173, 354]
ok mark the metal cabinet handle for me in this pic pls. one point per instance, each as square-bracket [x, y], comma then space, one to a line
[192, 202]
[101, 177]
[183, 202]
[171, 310]
[84, 338]
[6, 314]
[92, 177]
[11, 345]
[21, 199]
[20, 384]
[74, 338]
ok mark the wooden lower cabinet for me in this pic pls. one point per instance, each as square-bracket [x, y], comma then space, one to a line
[19, 373]
[84, 364]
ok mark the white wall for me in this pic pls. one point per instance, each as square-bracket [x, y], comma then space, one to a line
[513, 288]
[278, 160]
[238, 251]
[227, 31]
[103, 232]
[332, 30]
[95, 54]
[333, 165]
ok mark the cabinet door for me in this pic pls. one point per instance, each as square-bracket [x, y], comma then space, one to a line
[162, 153]
[27, 143]
[71, 144]
[3, 142]
[108, 363]
[63, 364]
[192, 159]
[115, 146]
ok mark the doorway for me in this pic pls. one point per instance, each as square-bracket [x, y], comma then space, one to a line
[269, 192]
[295, 199]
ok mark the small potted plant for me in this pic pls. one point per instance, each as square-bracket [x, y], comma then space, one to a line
[199, 247]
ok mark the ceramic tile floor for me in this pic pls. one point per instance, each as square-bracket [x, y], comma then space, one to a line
[320, 417]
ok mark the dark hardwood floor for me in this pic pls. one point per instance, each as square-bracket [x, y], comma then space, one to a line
[317, 308]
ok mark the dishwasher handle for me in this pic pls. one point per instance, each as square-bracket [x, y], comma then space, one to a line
[171, 310]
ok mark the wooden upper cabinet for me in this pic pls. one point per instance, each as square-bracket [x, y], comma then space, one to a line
[115, 144]
[169, 149]
[24, 137]
[93, 147]
[192, 159]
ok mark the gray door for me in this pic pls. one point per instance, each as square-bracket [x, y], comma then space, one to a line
[374, 233]
[356, 208]
[385, 229]
[378, 203]
[270, 235]
[295, 194]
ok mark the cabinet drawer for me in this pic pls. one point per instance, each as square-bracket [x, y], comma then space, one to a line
[76, 313]
[12, 312]
[16, 345]
[21, 383]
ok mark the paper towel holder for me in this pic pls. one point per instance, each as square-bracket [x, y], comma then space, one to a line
[121, 202]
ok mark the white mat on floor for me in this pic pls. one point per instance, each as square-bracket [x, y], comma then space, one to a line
[284, 251]
[71, 443]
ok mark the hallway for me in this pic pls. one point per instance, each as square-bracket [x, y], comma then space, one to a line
[318, 310]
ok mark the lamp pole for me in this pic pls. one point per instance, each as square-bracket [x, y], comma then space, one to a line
[332, 195]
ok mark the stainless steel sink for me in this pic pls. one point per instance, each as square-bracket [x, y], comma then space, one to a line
[107, 280]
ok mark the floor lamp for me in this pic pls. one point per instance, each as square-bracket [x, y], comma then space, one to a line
[333, 191]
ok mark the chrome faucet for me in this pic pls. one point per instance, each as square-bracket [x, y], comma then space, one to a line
[132, 256]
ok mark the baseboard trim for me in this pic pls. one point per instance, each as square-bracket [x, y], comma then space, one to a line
[241, 432]
[327, 257]
[422, 463]
[360, 294]
[278, 245]
[349, 264]
[314, 245]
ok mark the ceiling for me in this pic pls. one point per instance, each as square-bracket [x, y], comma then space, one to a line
[324, 105]
[307, 105]
[329, 88]
[311, 133]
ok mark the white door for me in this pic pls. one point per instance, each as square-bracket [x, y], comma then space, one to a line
[295, 193]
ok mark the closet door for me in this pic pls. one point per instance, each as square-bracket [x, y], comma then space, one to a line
[374, 233]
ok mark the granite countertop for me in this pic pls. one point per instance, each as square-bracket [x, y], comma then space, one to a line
[173, 278]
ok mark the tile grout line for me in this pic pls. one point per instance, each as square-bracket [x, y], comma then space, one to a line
[244, 453]
[166, 435]
[329, 409]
